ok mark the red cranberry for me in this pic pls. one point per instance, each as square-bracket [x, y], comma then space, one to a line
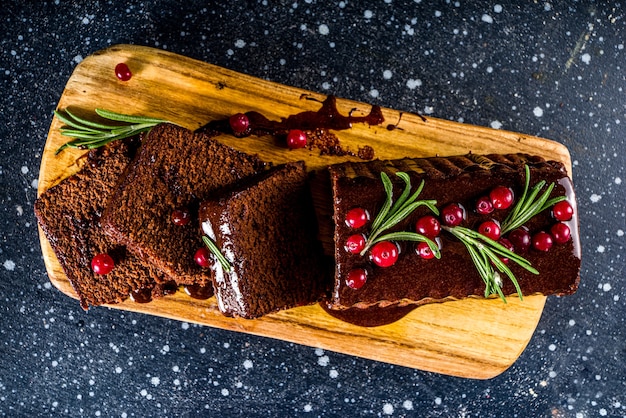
[424, 251]
[355, 243]
[490, 229]
[203, 257]
[520, 238]
[562, 211]
[484, 205]
[384, 254]
[181, 217]
[560, 233]
[122, 72]
[453, 214]
[542, 241]
[102, 264]
[428, 226]
[239, 123]
[356, 278]
[501, 197]
[357, 217]
[296, 139]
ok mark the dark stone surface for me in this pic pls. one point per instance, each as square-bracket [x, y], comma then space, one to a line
[554, 69]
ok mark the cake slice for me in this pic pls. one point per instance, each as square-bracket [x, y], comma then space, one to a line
[266, 230]
[463, 182]
[174, 170]
[69, 215]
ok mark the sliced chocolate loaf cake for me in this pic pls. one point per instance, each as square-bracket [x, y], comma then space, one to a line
[153, 211]
[266, 230]
[69, 215]
[468, 197]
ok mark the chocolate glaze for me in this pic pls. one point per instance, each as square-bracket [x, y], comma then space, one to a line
[462, 180]
[374, 316]
[199, 292]
[316, 123]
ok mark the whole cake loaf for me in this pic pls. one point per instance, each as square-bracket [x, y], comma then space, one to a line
[69, 215]
[266, 232]
[153, 211]
[414, 231]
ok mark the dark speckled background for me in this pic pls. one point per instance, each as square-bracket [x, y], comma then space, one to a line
[553, 69]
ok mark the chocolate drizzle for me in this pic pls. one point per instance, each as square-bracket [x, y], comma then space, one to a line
[316, 123]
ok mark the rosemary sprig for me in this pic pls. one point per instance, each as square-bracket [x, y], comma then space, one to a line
[90, 134]
[216, 252]
[529, 204]
[392, 213]
[486, 255]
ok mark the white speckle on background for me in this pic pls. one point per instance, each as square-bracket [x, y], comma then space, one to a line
[319, 352]
[155, 381]
[308, 408]
[78, 59]
[586, 58]
[368, 14]
[184, 325]
[24, 169]
[497, 8]
[85, 20]
[429, 110]
[618, 180]
[552, 347]
[486, 18]
[247, 364]
[620, 233]
[333, 374]
[118, 370]
[572, 322]
[374, 93]
[538, 112]
[600, 248]
[437, 400]
[496, 124]
[387, 74]
[323, 361]
[323, 29]
[408, 405]
[595, 198]
[388, 409]
[9, 265]
[20, 210]
[606, 287]
[240, 43]
[225, 392]
[413, 83]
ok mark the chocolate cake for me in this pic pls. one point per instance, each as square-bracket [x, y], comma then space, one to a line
[460, 182]
[69, 215]
[174, 170]
[266, 231]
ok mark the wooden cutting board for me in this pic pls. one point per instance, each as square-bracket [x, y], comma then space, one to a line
[472, 338]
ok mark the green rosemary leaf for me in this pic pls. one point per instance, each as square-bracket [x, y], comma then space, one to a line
[522, 199]
[405, 193]
[90, 134]
[120, 117]
[70, 121]
[88, 123]
[388, 186]
[216, 252]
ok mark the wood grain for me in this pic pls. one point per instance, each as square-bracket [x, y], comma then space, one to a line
[472, 338]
